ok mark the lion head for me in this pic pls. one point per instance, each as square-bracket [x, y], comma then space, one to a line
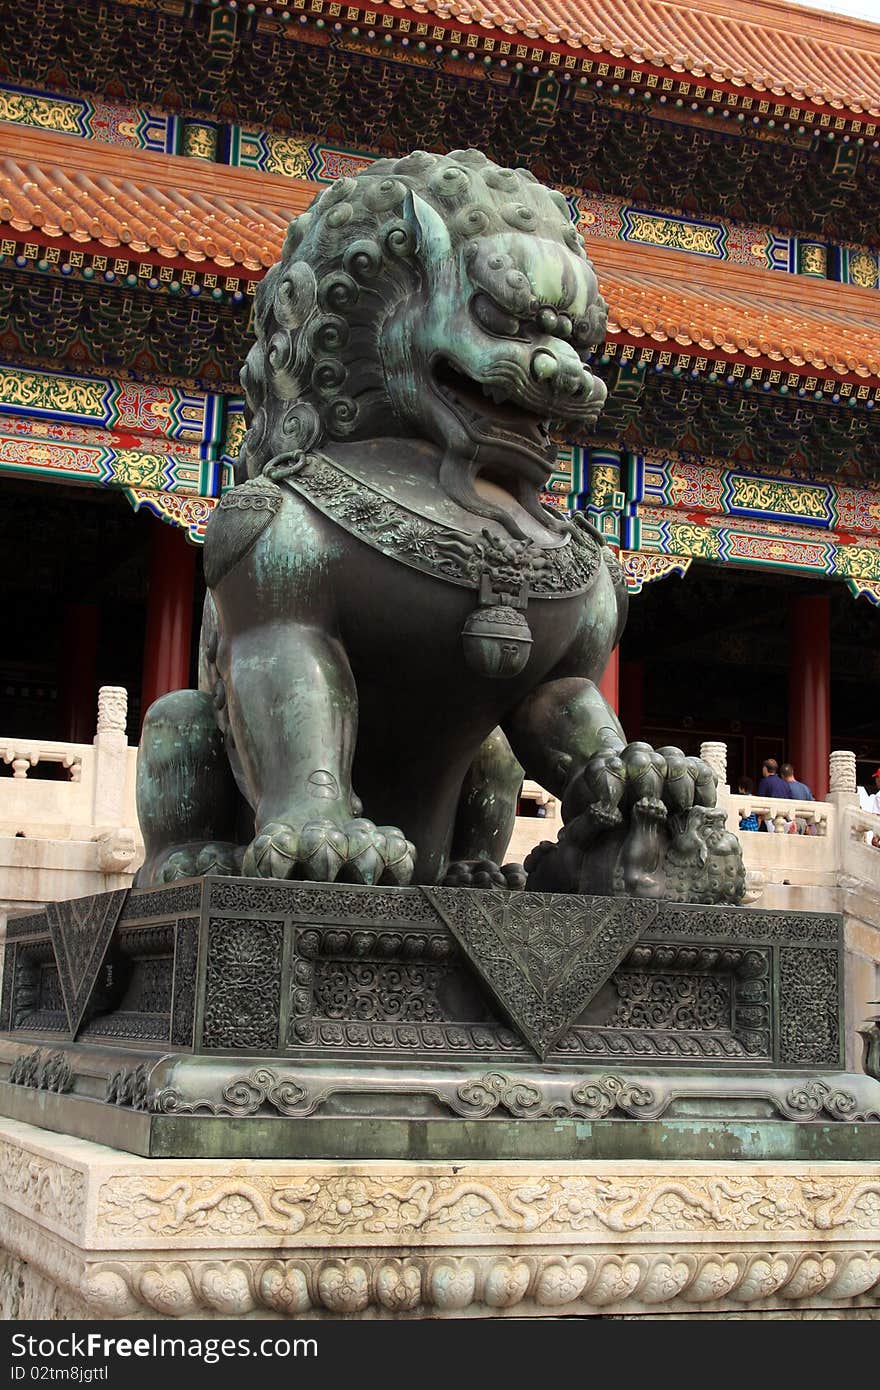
[439, 297]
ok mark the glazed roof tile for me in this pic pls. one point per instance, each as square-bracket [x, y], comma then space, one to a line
[181, 208]
[768, 45]
[145, 203]
[662, 297]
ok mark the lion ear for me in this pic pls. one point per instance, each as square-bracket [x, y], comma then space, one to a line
[430, 231]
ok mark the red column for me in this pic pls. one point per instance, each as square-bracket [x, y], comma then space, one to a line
[809, 691]
[169, 614]
[632, 698]
[78, 683]
[609, 685]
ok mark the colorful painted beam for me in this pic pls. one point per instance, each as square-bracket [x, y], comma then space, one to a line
[90, 118]
[299, 156]
[765, 545]
[191, 416]
[169, 451]
[713, 487]
[105, 460]
[724, 240]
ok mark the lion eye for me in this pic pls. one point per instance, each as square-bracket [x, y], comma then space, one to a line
[584, 333]
[491, 317]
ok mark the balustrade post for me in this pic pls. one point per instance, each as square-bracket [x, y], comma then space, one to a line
[842, 779]
[715, 754]
[111, 756]
[843, 793]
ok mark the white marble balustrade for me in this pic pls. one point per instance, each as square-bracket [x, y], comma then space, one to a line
[68, 837]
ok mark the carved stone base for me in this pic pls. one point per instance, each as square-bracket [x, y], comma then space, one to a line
[106, 1234]
[221, 966]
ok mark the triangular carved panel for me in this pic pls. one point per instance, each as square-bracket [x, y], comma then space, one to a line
[543, 955]
[81, 931]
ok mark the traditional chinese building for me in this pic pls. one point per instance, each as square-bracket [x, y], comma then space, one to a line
[721, 158]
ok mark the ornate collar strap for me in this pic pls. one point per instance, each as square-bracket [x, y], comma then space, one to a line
[501, 569]
[506, 573]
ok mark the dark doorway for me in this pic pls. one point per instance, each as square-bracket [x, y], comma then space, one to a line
[709, 657]
[74, 565]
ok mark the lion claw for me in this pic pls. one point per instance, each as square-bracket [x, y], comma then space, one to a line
[322, 851]
[484, 873]
[193, 861]
[647, 784]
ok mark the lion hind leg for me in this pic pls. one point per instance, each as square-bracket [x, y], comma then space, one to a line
[485, 819]
[187, 801]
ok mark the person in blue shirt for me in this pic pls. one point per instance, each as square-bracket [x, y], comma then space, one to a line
[799, 790]
[749, 822]
[771, 784]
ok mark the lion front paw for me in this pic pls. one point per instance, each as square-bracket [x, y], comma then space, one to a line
[638, 782]
[192, 861]
[355, 851]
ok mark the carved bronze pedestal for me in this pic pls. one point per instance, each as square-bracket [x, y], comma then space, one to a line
[227, 1016]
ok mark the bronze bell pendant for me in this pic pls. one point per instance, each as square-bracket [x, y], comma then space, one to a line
[496, 638]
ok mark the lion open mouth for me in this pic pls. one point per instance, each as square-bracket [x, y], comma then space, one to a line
[491, 416]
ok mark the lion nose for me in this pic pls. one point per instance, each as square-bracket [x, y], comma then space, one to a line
[544, 366]
[566, 376]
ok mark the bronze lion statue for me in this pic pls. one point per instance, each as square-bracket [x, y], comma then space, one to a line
[396, 625]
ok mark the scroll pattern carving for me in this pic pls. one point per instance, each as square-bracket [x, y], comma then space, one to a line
[186, 950]
[262, 1088]
[372, 990]
[594, 1099]
[243, 984]
[808, 981]
[306, 902]
[695, 991]
[655, 1001]
[162, 902]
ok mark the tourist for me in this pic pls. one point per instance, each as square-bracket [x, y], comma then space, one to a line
[799, 790]
[746, 787]
[771, 784]
[870, 801]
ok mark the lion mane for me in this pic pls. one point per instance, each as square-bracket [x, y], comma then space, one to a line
[315, 372]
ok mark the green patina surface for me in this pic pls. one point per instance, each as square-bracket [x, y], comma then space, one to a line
[440, 1141]
[385, 566]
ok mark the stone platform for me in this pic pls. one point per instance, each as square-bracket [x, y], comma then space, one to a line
[92, 1232]
[229, 1098]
